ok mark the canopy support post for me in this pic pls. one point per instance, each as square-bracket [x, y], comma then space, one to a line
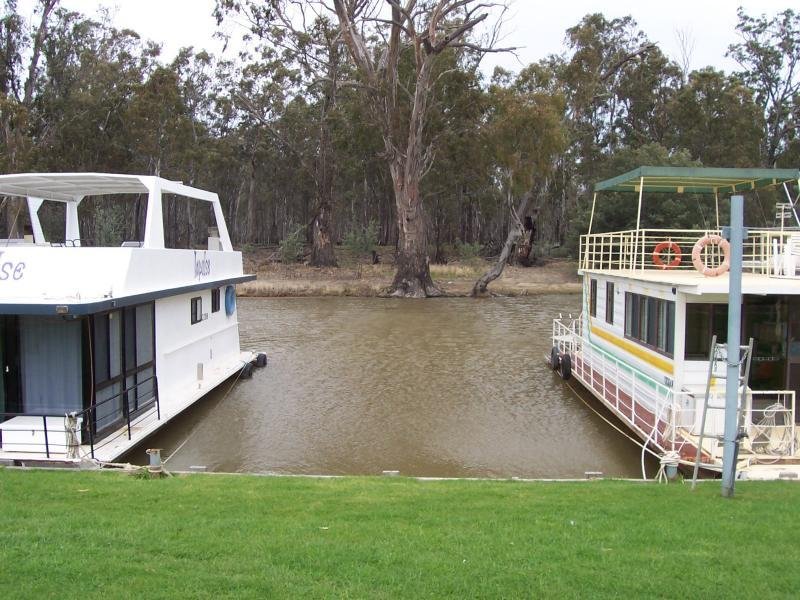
[716, 204]
[638, 222]
[591, 216]
[589, 233]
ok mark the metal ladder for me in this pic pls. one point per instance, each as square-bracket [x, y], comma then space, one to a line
[718, 355]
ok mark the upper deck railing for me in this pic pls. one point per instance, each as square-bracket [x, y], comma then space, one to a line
[769, 252]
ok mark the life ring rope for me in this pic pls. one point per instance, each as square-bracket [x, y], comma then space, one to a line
[697, 255]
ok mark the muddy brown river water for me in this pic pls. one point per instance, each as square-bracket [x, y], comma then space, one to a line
[446, 388]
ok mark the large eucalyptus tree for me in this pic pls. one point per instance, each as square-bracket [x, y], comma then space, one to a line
[400, 105]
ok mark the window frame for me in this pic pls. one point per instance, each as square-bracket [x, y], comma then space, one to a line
[215, 299]
[196, 309]
[100, 327]
[717, 322]
[610, 302]
[649, 321]
[593, 298]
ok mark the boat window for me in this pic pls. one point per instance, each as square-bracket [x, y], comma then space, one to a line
[650, 321]
[100, 348]
[123, 351]
[215, 300]
[130, 338]
[144, 334]
[609, 303]
[702, 322]
[114, 344]
[593, 297]
[197, 309]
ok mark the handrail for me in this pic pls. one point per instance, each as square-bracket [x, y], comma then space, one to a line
[619, 378]
[88, 415]
[771, 252]
[624, 373]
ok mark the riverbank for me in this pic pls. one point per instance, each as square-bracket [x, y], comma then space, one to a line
[355, 277]
[67, 534]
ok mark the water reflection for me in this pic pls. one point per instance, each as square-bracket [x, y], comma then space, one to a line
[450, 387]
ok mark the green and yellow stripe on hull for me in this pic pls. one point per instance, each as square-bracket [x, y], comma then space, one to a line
[662, 364]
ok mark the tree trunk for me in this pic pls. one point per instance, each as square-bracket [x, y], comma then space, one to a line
[250, 226]
[322, 254]
[515, 231]
[413, 276]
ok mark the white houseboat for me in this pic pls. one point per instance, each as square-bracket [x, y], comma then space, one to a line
[653, 300]
[100, 346]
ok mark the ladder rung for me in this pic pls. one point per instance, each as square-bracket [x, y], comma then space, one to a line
[721, 376]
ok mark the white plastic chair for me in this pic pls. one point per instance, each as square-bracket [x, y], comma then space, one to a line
[791, 250]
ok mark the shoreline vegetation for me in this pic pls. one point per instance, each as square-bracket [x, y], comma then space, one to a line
[355, 276]
[246, 536]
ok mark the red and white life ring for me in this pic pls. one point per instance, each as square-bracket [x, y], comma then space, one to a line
[697, 259]
[659, 250]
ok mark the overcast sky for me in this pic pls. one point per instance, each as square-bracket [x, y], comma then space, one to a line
[537, 28]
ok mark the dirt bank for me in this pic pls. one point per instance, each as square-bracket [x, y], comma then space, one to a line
[354, 278]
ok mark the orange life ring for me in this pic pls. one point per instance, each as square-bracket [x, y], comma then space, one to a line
[676, 255]
[697, 260]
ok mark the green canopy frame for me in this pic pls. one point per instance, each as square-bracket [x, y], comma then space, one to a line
[692, 180]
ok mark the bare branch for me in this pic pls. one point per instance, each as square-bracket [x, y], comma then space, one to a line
[626, 59]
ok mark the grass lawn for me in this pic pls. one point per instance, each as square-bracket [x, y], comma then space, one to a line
[108, 535]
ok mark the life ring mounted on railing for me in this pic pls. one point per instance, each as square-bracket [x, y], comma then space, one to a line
[664, 247]
[697, 259]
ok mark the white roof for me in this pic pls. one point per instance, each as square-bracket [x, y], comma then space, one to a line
[693, 282]
[68, 187]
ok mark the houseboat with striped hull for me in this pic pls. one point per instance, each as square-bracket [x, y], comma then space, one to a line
[101, 345]
[650, 340]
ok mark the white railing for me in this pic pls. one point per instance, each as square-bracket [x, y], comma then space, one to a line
[625, 388]
[769, 417]
[770, 423]
[767, 252]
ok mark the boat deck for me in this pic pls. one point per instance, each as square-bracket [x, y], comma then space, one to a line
[652, 411]
[117, 443]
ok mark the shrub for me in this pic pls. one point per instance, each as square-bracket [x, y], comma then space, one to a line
[468, 251]
[363, 241]
[291, 246]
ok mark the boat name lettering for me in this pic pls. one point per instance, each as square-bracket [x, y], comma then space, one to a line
[668, 381]
[202, 266]
[11, 270]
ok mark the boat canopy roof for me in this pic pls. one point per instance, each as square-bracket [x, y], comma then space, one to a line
[71, 187]
[696, 180]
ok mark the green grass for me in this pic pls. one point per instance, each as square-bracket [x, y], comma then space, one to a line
[107, 535]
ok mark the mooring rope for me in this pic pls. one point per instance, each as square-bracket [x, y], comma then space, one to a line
[196, 428]
[627, 435]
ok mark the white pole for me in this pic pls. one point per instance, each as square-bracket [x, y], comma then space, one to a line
[638, 220]
[591, 217]
[588, 245]
[716, 203]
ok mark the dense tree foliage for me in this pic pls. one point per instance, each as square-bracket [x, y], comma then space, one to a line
[331, 133]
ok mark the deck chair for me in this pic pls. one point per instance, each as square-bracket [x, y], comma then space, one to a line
[791, 252]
